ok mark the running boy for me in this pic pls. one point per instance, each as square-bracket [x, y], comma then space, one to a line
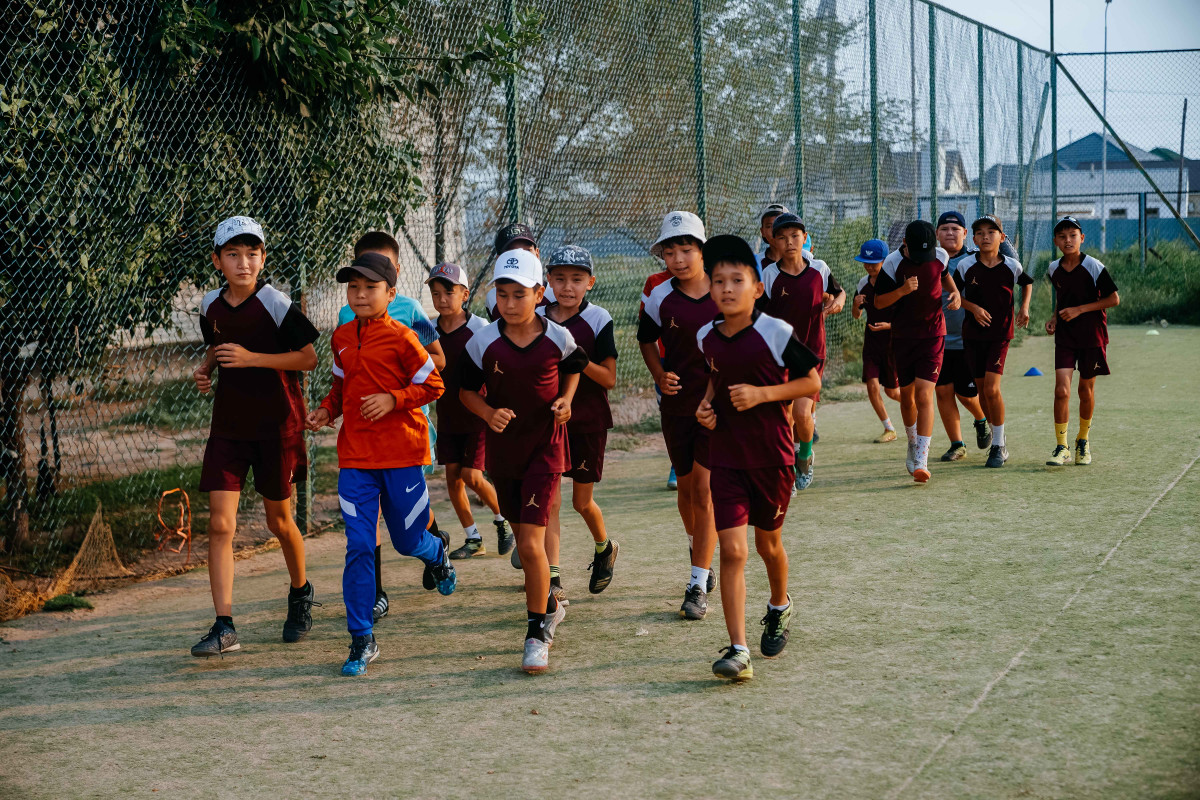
[914, 285]
[1085, 289]
[529, 367]
[988, 281]
[514, 236]
[381, 378]
[460, 442]
[801, 291]
[756, 369]
[674, 312]
[260, 342]
[572, 277]
[878, 365]
[765, 220]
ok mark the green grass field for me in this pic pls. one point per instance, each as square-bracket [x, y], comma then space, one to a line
[1029, 632]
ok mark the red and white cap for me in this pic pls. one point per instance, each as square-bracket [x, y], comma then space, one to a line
[450, 272]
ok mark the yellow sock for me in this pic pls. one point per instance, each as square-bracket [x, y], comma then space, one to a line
[1060, 433]
[1085, 427]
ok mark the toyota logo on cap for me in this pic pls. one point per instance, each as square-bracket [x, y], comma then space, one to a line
[512, 262]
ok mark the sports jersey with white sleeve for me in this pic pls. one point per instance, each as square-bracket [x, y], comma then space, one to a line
[991, 288]
[1086, 283]
[592, 329]
[917, 315]
[676, 318]
[799, 299]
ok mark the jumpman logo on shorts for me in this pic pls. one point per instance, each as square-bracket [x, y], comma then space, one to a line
[532, 501]
[583, 465]
[778, 512]
[935, 372]
[1097, 365]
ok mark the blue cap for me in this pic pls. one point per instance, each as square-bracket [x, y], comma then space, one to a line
[952, 216]
[807, 244]
[872, 251]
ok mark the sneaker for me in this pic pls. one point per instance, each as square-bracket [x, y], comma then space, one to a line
[1060, 457]
[775, 630]
[888, 435]
[537, 656]
[711, 583]
[221, 638]
[957, 452]
[910, 460]
[427, 578]
[983, 434]
[804, 473]
[444, 577]
[602, 568]
[514, 558]
[672, 481]
[505, 540]
[470, 549]
[363, 650]
[381, 607]
[816, 433]
[1083, 453]
[735, 664]
[560, 594]
[997, 456]
[695, 603]
[299, 615]
[552, 621]
[921, 473]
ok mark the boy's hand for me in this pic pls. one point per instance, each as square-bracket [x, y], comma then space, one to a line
[203, 378]
[745, 396]
[1022, 319]
[500, 419]
[1051, 324]
[831, 305]
[910, 285]
[374, 406]
[318, 419]
[859, 301]
[1069, 313]
[562, 410]
[669, 383]
[234, 355]
[954, 301]
[706, 416]
[880, 326]
[982, 316]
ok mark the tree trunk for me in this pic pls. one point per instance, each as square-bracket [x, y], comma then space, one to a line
[14, 376]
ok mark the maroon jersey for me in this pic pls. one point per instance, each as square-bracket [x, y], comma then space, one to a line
[798, 299]
[526, 381]
[592, 329]
[452, 415]
[764, 353]
[1087, 283]
[672, 316]
[255, 403]
[873, 315]
[917, 315]
[992, 288]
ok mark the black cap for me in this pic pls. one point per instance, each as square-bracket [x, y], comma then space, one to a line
[788, 220]
[987, 219]
[728, 249]
[514, 232]
[1067, 222]
[921, 240]
[952, 216]
[372, 266]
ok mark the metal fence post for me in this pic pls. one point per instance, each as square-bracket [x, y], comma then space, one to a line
[1020, 152]
[512, 127]
[875, 199]
[303, 496]
[797, 108]
[698, 78]
[1143, 231]
[1053, 126]
[933, 138]
[979, 125]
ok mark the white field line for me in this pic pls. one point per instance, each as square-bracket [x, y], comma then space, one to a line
[1015, 660]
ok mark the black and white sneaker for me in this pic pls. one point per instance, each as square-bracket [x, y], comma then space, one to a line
[428, 580]
[220, 639]
[602, 568]
[299, 615]
[381, 607]
[695, 603]
[504, 537]
[983, 434]
[997, 456]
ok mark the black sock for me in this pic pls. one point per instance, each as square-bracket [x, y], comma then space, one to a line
[551, 604]
[537, 627]
[294, 592]
[378, 569]
[556, 581]
[227, 620]
[958, 444]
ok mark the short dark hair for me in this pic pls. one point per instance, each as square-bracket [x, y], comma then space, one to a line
[448, 285]
[678, 240]
[378, 241]
[248, 239]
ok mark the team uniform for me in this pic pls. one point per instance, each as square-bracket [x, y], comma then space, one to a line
[956, 371]
[918, 326]
[670, 315]
[877, 359]
[1082, 343]
[752, 484]
[992, 288]
[526, 460]
[461, 438]
[591, 416]
[799, 301]
[258, 413]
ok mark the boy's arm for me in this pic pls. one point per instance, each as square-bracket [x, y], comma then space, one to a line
[948, 286]
[425, 384]
[799, 360]
[604, 373]
[234, 355]
[1022, 319]
[202, 374]
[704, 412]
[437, 354]
[331, 407]
[834, 297]
[1103, 303]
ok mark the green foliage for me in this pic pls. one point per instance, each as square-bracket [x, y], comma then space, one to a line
[67, 602]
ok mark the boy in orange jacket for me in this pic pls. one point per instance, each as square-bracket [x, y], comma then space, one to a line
[381, 378]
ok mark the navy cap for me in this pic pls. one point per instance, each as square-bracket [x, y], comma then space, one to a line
[921, 240]
[513, 233]
[1067, 222]
[788, 220]
[372, 266]
[872, 251]
[571, 255]
[952, 216]
[729, 249]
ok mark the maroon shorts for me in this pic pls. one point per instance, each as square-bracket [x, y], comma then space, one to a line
[526, 500]
[687, 443]
[757, 497]
[587, 455]
[918, 358]
[1090, 361]
[957, 372]
[277, 464]
[465, 449]
[984, 356]
[879, 363]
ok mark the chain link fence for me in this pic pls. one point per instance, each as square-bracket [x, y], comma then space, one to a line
[860, 114]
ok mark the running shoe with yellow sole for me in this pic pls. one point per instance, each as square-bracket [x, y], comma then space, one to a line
[734, 665]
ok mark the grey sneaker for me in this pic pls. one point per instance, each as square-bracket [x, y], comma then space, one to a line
[735, 664]
[469, 549]
[804, 473]
[537, 656]
[560, 594]
[957, 452]
[552, 621]
[514, 558]
[220, 639]
[695, 603]
[997, 456]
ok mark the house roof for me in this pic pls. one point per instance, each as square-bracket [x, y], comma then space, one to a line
[1089, 150]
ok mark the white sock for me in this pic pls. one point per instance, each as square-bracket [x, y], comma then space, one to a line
[742, 648]
[699, 578]
[923, 450]
[473, 532]
[998, 435]
[778, 608]
[497, 518]
[911, 432]
[887, 424]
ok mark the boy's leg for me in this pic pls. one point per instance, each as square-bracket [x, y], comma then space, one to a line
[1062, 395]
[359, 495]
[1087, 406]
[704, 531]
[803, 426]
[923, 394]
[404, 501]
[486, 493]
[908, 405]
[1087, 400]
[582, 499]
[993, 403]
[948, 410]
[456, 487]
[734, 551]
[281, 523]
[875, 396]
[222, 524]
[554, 539]
[770, 547]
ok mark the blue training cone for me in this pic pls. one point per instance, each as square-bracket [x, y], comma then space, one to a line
[1033, 372]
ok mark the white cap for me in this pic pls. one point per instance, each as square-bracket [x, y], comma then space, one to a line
[521, 266]
[237, 226]
[678, 223]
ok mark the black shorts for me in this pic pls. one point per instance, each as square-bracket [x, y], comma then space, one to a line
[956, 371]
[277, 464]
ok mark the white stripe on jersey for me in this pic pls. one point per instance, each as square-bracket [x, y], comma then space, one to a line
[776, 333]
[481, 341]
[561, 337]
[971, 259]
[424, 372]
[653, 304]
[894, 258]
[276, 302]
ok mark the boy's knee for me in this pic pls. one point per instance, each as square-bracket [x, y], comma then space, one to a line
[768, 547]
[734, 552]
[580, 504]
[221, 528]
[1062, 391]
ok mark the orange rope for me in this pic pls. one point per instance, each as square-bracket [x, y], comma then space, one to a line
[182, 530]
